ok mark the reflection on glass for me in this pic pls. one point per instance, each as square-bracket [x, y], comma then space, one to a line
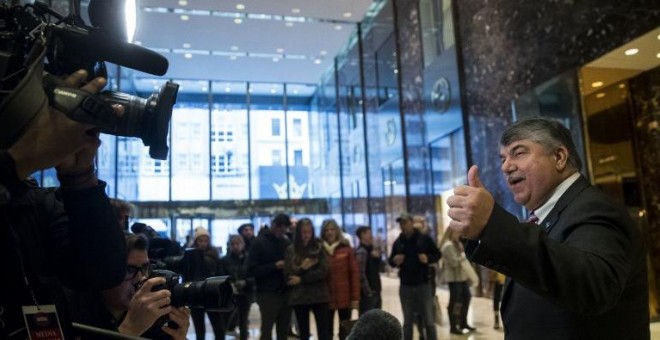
[190, 152]
[229, 152]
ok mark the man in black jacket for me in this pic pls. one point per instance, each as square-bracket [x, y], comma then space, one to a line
[412, 252]
[266, 265]
[578, 274]
[368, 260]
[46, 243]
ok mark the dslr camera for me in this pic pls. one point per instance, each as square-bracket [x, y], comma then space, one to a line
[214, 293]
[34, 38]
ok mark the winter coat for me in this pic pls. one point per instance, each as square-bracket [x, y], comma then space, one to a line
[343, 277]
[313, 287]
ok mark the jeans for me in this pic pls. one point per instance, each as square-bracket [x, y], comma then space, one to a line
[215, 318]
[321, 316]
[275, 310]
[417, 299]
[368, 303]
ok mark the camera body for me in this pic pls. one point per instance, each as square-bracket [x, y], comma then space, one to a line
[29, 44]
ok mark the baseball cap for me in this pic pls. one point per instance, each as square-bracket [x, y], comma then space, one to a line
[281, 220]
[404, 216]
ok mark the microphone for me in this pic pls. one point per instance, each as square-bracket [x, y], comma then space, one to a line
[376, 324]
[95, 44]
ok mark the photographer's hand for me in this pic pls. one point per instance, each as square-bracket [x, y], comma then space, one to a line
[53, 139]
[146, 307]
[181, 316]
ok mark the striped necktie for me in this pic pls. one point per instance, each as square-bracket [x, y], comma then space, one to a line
[532, 218]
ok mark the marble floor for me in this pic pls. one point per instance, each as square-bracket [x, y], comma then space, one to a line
[480, 316]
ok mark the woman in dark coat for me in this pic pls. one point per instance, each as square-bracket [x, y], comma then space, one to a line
[306, 268]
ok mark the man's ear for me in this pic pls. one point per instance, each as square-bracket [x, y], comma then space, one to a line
[561, 158]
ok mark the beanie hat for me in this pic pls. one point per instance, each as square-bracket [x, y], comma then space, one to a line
[199, 232]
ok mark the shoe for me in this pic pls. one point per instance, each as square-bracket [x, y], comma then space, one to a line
[469, 328]
[456, 331]
[496, 326]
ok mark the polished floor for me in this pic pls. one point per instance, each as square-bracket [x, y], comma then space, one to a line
[480, 316]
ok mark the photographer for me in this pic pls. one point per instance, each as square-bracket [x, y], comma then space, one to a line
[46, 243]
[132, 307]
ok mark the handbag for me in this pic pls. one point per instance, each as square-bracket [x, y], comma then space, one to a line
[473, 278]
[345, 327]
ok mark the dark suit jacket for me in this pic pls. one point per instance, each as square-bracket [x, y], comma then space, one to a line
[579, 274]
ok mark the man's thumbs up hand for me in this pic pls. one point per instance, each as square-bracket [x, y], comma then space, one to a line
[470, 206]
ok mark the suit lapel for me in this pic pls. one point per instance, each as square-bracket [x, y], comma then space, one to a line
[551, 220]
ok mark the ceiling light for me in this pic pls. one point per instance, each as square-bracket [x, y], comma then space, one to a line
[348, 14]
[597, 84]
[295, 91]
[188, 55]
[317, 61]
[238, 21]
[232, 57]
[288, 24]
[622, 86]
[240, 7]
[156, 87]
[185, 17]
[657, 55]
[279, 50]
[186, 45]
[323, 52]
[658, 36]
[234, 48]
[295, 10]
[183, 3]
[632, 51]
[600, 95]
[276, 59]
[227, 89]
[273, 91]
[338, 27]
[205, 89]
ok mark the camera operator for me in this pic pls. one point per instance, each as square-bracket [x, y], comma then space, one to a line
[46, 243]
[131, 307]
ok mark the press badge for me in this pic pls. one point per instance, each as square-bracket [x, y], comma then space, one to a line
[42, 322]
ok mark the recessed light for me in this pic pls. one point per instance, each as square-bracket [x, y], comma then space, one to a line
[276, 59]
[186, 45]
[232, 57]
[600, 95]
[156, 87]
[338, 27]
[234, 48]
[240, 7]
[272, 91]
[658, 36]
[317, 61]
[622, 86]
[295, 10]
[183, 3]
[288, 24]
[632, 51]
[657, 55]
[227, 89]
[295, 92]
[279, 50]
[323, 52]
[188, 55]
[205, 89]
[238, 21]
[185, 17]
[348, 14]
[597, 84]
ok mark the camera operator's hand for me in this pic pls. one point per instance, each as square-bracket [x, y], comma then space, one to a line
[53, 139]
[146, 307]
[279, 264]
[181, 316]
[293, 280]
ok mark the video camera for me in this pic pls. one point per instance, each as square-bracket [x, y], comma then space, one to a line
[30, 44]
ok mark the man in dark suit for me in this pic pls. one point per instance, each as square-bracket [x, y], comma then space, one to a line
[578, 274]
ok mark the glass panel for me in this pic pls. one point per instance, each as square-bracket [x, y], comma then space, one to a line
[161, 225]
[229, 143]
[268, 173]
[190, 145]
[183, 231]
[50, 178]
[221, 229]
[298, 161]
[106, 161]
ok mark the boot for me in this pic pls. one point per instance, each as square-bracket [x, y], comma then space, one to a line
[497, 320]
[463, 317]
[454, 319]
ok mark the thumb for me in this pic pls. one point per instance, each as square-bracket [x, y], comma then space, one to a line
[473, 177]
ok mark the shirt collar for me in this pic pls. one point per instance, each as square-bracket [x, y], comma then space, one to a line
[544, 210]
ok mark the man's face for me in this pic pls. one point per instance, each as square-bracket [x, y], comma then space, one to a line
[237, 245]
[120, 296]
[366, 238]
[278, 230]
[531, 172]
[247, 232]
[407, 226]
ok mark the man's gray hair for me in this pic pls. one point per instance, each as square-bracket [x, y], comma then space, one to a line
[549, 133]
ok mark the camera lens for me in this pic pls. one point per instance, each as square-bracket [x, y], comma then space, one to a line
[214, 294]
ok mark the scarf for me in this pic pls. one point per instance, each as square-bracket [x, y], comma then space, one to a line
[330, 248]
